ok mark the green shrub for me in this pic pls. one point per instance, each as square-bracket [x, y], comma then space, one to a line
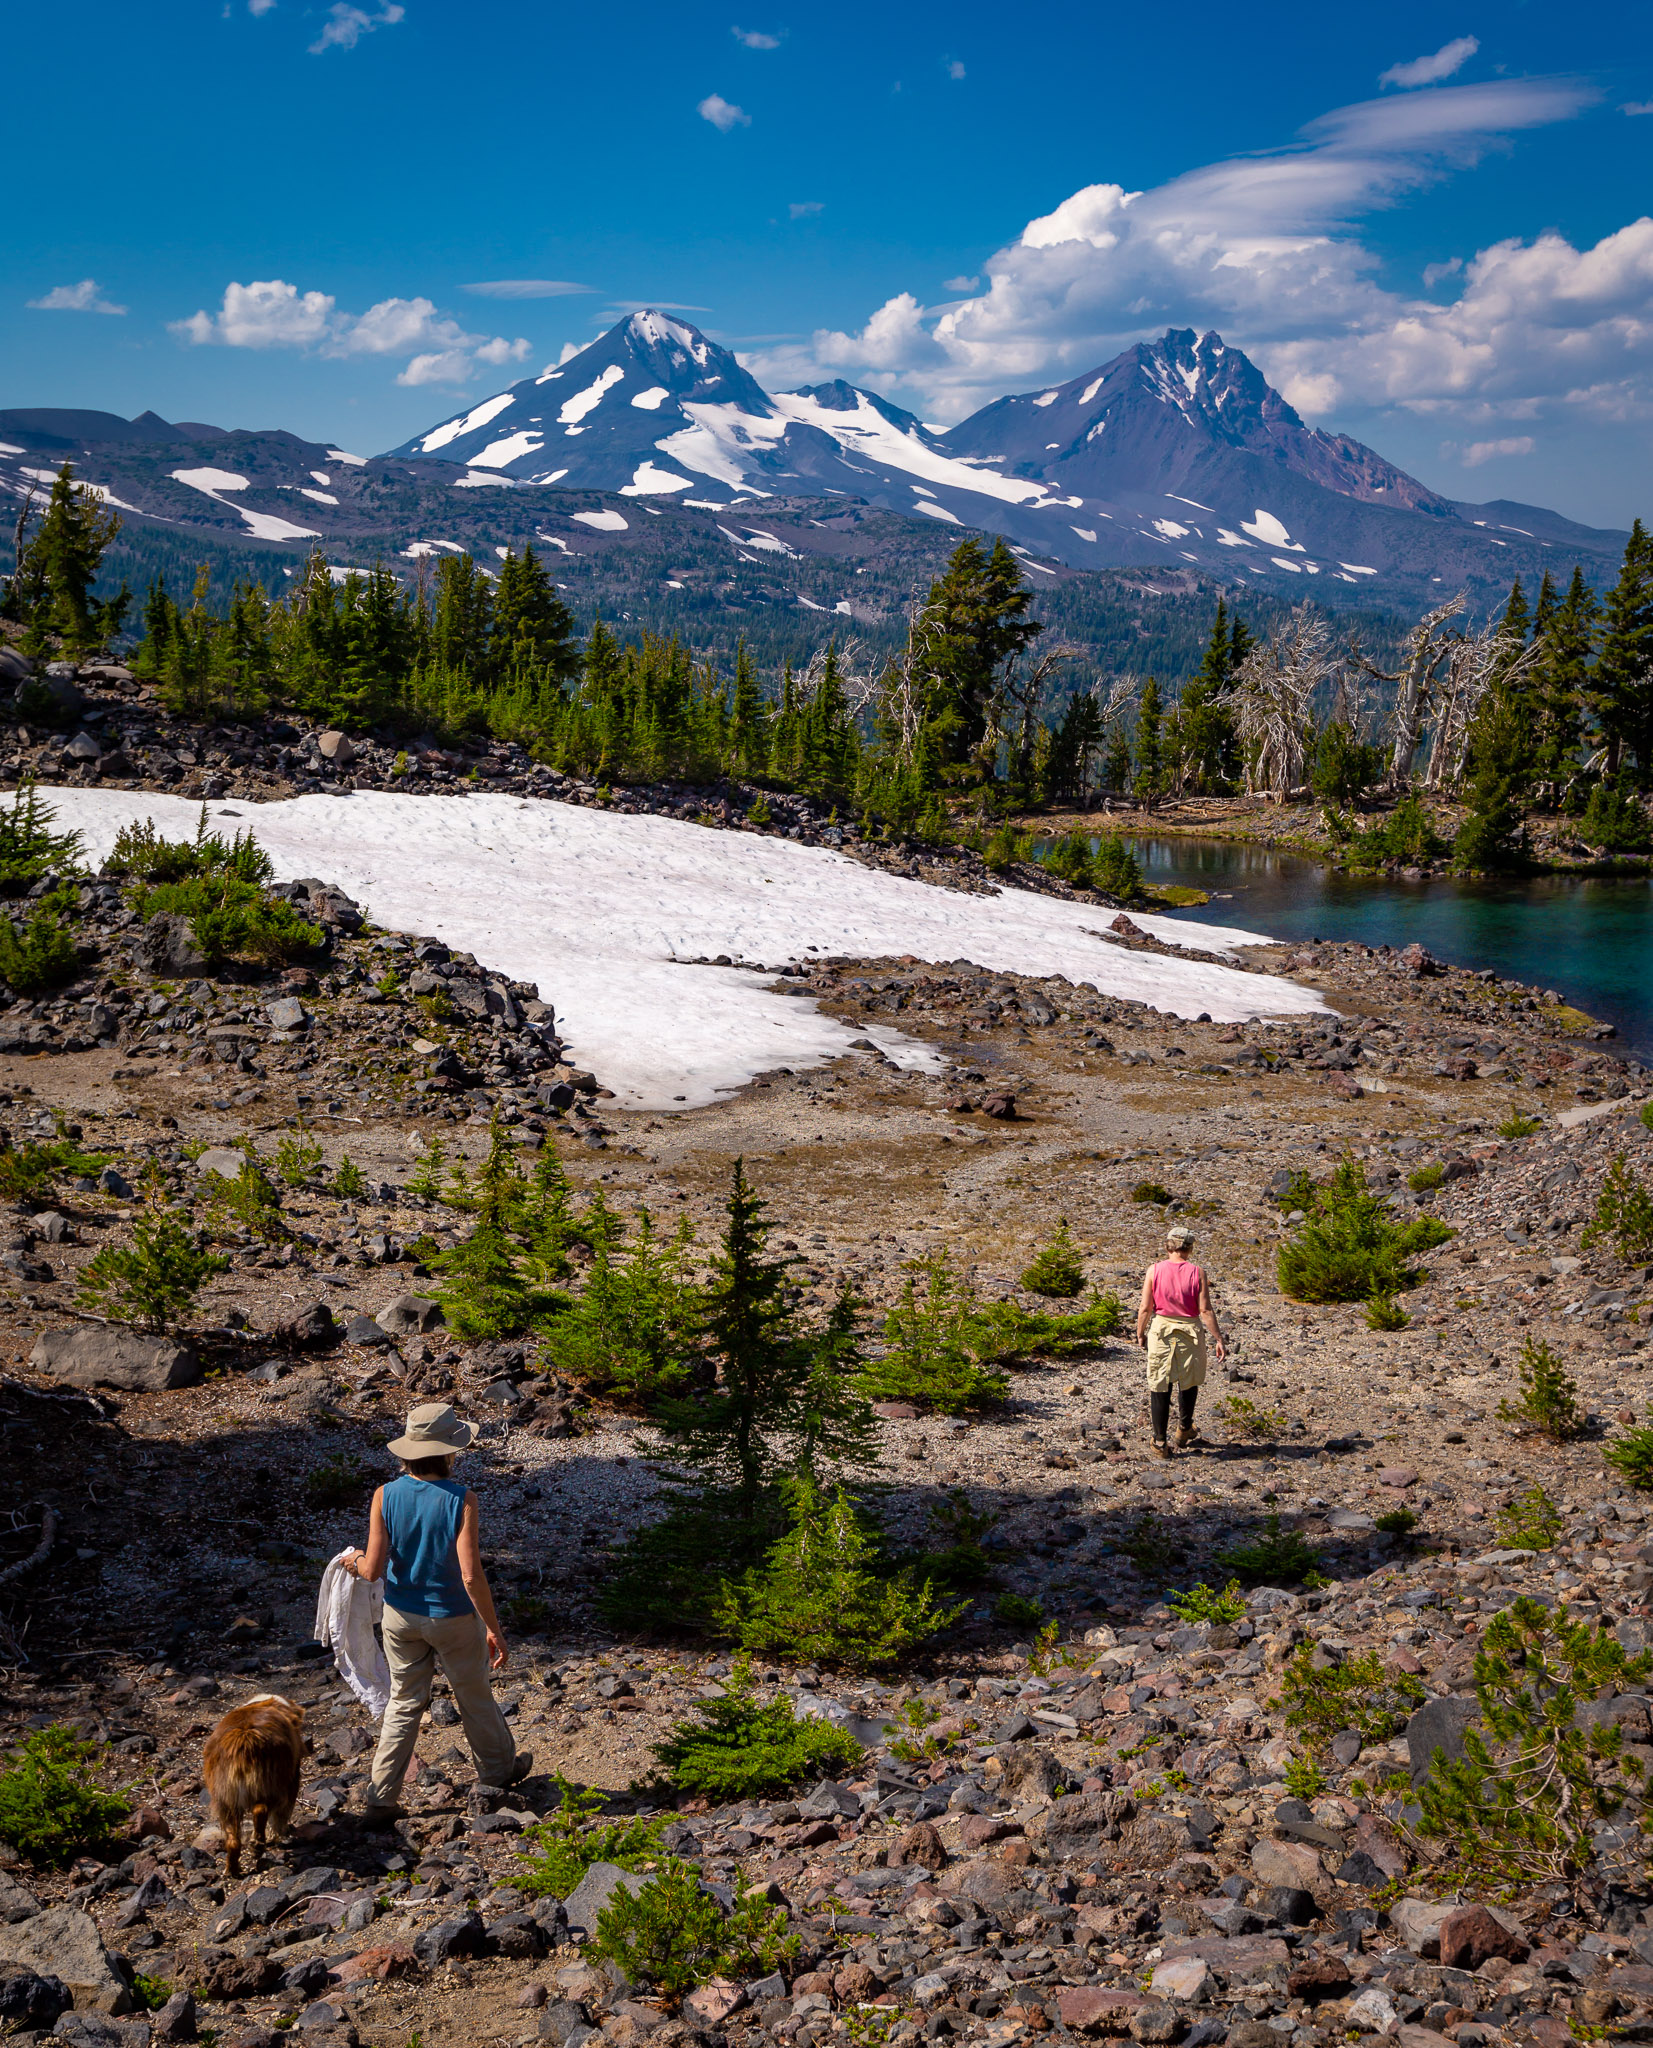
[1303, 1778]
[1151, 1191]
[572, 1839]
[929, 1358]
[153, 1280]
[29, 848]
[1150, 1546]
[1003, 1332]
[737, 1749]
[42, 955]
[336, 1481]
[672, 1934]
[249, 1202]
[51, 1808]
[632, 1332]
[1515, 1125]
[1070, 859]
[1006, 848]
[29, 1170]
[349, 1182]
[1349, 1248]
[1531, 1521]
[1548, 1401]
[1614, 821]
[1344, 766]
[141, 854]
[1245, 1418]
[1406, 838]
[1646, 1115]
[1631, 1456]
[1016, 1610]
[1624, 1211]
[1425, 1179]
[1057, 1269]
[1204, 1603]
[760, 813]
[819, 1597]
[1114, 868]
[1273, 1558]
[1521, 1805]
[149, 1994]
[1383, 1312]
[1398, 1522]
[426, 1178]
[1357, 1693]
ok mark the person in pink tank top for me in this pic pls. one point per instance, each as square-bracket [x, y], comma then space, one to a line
[1171, 1324]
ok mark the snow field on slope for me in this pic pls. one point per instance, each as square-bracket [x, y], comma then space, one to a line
[598, 909]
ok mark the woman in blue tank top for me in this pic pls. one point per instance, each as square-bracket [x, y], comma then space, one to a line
[425, 1541]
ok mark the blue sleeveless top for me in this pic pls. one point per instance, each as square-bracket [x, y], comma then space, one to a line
[422, 1518]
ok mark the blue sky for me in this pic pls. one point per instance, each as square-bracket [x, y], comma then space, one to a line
[1429, 225]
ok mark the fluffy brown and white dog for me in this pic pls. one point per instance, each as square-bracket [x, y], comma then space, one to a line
[252, 1764]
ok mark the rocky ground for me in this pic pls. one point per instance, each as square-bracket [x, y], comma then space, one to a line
[1086, 1837]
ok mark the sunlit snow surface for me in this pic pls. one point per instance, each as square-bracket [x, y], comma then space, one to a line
[597, 909]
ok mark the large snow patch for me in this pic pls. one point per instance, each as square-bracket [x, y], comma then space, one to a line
[598, 909]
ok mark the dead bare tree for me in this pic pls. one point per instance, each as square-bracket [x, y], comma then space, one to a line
[1475, 664]
[1415, 683]
[1273, 697]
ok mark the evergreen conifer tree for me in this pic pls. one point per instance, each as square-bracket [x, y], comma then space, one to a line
[976, 616]
[1621, 691]
[1149, 780]
[1562, 682]
[748, 721]
[50, 590]
[1205, 723]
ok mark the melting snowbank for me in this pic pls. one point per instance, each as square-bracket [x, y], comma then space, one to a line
[597, 908]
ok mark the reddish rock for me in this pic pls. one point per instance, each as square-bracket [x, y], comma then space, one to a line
[1470, 1934]
[1325, 1977]
[813, 1984]
[1001, 1106]
[1377, 1841]
[895, 1411]
[1398, 1476]
[377, 1965]
[922, 1845]
[855, 1981]
[977, 1830]
[1090, 2010]
[1016, 1855]
[146, 1821]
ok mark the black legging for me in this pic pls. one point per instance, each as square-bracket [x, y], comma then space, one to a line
[1159, 1410]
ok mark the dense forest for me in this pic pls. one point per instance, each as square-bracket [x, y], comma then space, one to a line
[981, 708]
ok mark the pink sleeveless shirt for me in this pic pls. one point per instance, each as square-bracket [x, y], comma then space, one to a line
[1176, 1289]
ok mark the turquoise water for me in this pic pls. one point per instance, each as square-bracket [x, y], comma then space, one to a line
[1591, 939]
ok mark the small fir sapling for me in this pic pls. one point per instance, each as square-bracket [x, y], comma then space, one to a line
[1057, 1270]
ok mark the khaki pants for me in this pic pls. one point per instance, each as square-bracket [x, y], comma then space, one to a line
[1176, 1354]
[414, 1645]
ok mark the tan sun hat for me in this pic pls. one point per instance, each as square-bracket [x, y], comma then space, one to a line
[433, 1431]
[1179, 1234]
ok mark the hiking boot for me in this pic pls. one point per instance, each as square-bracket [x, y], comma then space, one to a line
[376, 1816]
[1187, 1436]
[1161, 1448]
[521, 1768]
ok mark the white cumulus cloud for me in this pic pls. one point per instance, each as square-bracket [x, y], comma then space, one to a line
[755, 39]
[1268, 250]
[723, 114]
[953, 66]
[271, 313]
[346, 25]
[806, 209]
[1487, 451]
[1446, 61]
[85, 297]
[259, 8]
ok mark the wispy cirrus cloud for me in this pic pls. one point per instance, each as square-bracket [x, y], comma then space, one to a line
[271, 313]
[346, 25]
[723, 114]
[85, 297]
[1489, 451]
[1446, 62]
[806, 209]
[527, 288]
[1268, 249]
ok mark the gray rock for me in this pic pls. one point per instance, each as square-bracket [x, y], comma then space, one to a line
[166, 945]
[1438, 1724]
[463, 1936]
[53, 1228]
[594, 1891]
[64, 1942]
[1418, 1923]
[104, 1355]
[112, 1183]
[30, 2000]
[334, 747]
[14, 667]
[1081, 1825]
[364, 1331]
[227, 1161]
[286, 1013]
[83, 748]
[829, 1801]
[410, 1315]
[15, 1903]
[97, 2030]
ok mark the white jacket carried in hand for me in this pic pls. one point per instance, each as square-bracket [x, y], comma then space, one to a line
[346, 1610]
